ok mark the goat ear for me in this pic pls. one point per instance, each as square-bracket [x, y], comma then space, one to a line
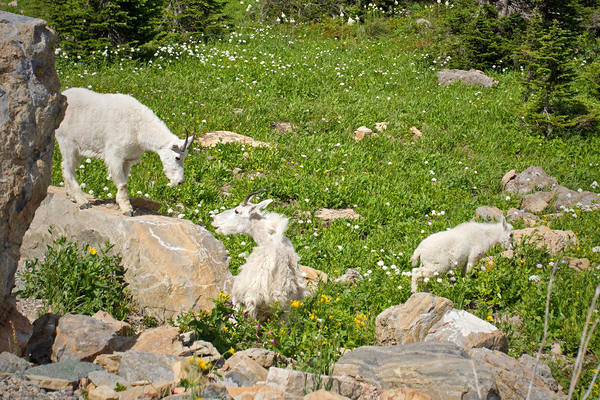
[263, 204]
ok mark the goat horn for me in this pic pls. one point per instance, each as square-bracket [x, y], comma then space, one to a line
[186, 139]
[251, 195]
[193, 136]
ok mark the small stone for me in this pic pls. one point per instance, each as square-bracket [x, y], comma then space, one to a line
[105, 378]
[416, 133]
[204, 350]
[351, 276]
[160, 340]
[110, 362]
[282, 127]
[211, 139]
[555, 349]
[238, 111]
[102, 393]
[331, 214]
[312, 276]
[324, 395]
[242, 370]
[381, 126]
[578, 264]
[403, 394]
[472, 77]
[361, 132]
[536, 202]
[507, 177]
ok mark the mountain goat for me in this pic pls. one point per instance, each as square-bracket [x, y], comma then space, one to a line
[118, 129]
[460, 247]
[270, 274]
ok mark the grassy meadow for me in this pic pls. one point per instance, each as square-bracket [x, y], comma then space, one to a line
[327, 80]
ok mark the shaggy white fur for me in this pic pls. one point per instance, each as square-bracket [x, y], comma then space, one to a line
[270, 274]
[460, 247]
[118, 129]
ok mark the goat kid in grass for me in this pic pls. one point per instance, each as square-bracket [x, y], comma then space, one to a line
[117, 129]
[460, 247]
[270, 274]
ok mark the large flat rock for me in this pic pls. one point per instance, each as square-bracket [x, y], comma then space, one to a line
[441, 370]
[172, 265]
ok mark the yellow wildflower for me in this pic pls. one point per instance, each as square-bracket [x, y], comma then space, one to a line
[231, 350]
[92, 250]
[296, 303]
[490, 318]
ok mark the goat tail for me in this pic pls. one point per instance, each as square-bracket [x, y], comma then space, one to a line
[415, 257]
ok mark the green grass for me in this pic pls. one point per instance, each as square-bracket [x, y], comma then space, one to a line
[328, 80]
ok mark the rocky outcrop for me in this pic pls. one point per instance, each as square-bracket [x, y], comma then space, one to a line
[441, 371]
[513, 376]
[428, 318]
[410, 322]
[554, 240]
[472, 77]
[31, 108]
[530, 180]
[540, 190]
[172, 265]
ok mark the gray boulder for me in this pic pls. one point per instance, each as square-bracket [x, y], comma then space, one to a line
[31, 108]
[81, 338]
[472, 77]
[173, 265]
[530, 180]
[142, 366]
[441, 370]
[512, 376]
[61, 375]
[11, 364]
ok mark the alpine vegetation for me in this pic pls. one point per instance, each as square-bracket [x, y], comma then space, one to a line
[459, 247]
[118, 129]
[270, 274]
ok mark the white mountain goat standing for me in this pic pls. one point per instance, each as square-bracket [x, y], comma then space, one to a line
[460, 247]
[117, 129]
[270, 274]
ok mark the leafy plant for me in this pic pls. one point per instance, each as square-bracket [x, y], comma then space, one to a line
[78, 280]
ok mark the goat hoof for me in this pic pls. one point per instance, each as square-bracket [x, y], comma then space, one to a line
[84, 206]
[128, 213]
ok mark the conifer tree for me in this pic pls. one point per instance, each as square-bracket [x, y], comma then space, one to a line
[551, 106]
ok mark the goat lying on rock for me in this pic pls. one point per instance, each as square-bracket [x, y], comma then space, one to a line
[270, 274]
[118, 129]
[460, 247]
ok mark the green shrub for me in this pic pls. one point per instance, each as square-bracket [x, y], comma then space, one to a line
[182, 19]
[77, 280]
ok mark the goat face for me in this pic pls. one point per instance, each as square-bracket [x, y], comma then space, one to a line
[172, 159]
[241, 218]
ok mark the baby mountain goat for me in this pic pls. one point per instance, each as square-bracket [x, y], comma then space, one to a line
[460, 247]
[118, 129]
[270, 274]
